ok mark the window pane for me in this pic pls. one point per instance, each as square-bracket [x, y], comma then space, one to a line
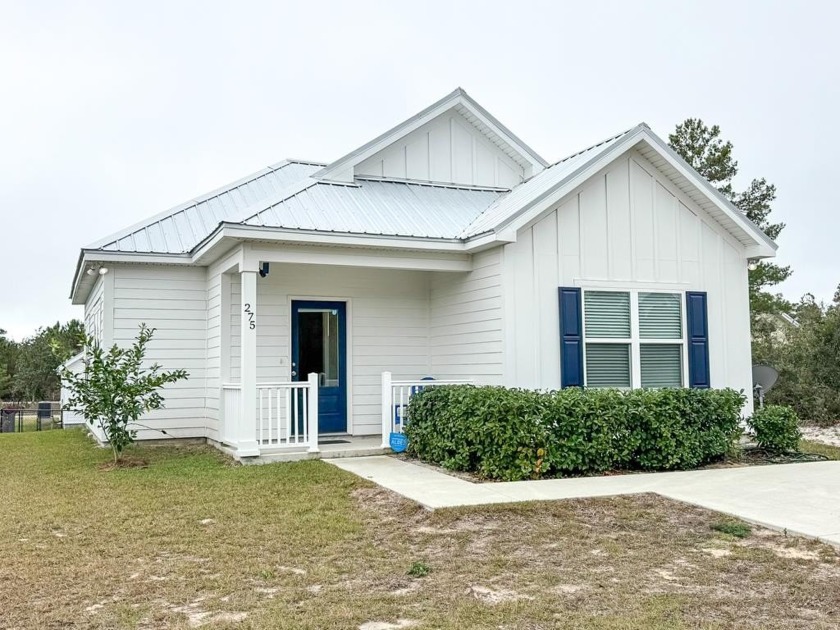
[661, 365]
[606, 314]
[319, 347]
[660, 316]
[607, 365]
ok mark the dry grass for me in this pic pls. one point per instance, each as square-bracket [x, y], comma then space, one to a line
[192, 541]
[818, 448]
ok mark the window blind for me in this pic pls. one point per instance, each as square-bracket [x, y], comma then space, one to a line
[661, 365]
[660, 316]
[607, 365]
[606, 314]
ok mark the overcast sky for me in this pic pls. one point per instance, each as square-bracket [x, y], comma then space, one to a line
[111, 112]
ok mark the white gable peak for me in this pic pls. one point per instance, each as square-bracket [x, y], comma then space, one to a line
[454, 141]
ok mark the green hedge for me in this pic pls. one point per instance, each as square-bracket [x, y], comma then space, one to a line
[513, 434]
[776, 429]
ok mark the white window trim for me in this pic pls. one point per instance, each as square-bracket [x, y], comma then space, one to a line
[635, 341]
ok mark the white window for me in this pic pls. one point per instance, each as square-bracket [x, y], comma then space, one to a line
[633, 339]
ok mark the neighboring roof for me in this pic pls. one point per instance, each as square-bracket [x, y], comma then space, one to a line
[460, 101]
[181, 228]
[377, 206]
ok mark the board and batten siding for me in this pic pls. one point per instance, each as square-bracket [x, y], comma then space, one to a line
[466, 333]
[627, 227]
[448, 149]
[387, 327]
[173, 300]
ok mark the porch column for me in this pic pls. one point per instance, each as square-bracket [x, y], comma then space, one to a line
[247, 445]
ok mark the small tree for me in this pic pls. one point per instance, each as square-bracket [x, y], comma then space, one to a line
[115, 388]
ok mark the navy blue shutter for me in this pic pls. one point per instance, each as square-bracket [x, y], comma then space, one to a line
[698, 339]
[571, 338]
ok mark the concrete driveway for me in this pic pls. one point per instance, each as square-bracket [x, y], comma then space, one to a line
[801, 498]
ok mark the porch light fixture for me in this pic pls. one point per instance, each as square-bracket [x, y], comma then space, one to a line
[752, 265]
[263, 269]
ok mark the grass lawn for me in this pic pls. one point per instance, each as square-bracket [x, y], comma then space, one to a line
[194, 541]
[832, 452]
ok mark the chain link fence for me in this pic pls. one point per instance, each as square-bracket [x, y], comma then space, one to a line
[40, 416]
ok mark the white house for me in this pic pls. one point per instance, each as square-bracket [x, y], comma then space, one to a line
[444, 248]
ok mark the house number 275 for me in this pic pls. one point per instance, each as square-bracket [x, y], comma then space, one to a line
[251, 321]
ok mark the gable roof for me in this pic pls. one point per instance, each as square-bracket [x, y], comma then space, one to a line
[547, 188]
[301, 196]
[342, 168]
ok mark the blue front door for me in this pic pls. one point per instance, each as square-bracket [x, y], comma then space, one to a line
[319, 345]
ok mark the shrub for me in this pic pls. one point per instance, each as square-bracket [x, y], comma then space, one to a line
[513, 434]
[116, 388]
[776, 429]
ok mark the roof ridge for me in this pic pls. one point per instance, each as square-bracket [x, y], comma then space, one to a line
[427, 183]
[596, 145]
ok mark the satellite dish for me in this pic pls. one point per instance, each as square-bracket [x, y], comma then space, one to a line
[764, 376]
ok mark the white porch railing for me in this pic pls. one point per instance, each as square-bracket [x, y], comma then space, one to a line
[287, 414]
[395, 398]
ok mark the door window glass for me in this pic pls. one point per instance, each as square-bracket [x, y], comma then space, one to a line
[318, 342]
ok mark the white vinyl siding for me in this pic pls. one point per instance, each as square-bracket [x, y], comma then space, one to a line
[173, 301]
[448, 149]
[95, 312]
[466, 322]
[626, 228]
[387, 327]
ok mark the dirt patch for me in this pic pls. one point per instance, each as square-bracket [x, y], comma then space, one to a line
[384, 625]
[824, 435]
[123, 464]
[491, 596]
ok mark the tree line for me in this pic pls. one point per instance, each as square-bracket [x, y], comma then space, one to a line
[29, 368]
[801, 340]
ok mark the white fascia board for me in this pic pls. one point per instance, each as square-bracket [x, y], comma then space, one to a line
[341, 170]
[79, 293]
[537, 161]
[763, 243]
[358, 257]
[763, 246]
[576, 178]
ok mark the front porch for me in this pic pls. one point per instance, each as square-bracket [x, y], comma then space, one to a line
[286, 426]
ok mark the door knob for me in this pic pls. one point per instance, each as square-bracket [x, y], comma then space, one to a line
[294, 373]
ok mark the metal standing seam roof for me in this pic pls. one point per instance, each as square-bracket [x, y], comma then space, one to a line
[544, 181]
[181, 228]
[379, 207]
[288, 196]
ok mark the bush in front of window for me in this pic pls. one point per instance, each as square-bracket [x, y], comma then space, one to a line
[513, 434]
[776, 429]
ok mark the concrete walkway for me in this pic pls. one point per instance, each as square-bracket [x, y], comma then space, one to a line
[802, 498]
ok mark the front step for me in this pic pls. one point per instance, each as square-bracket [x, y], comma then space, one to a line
[363, 446]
